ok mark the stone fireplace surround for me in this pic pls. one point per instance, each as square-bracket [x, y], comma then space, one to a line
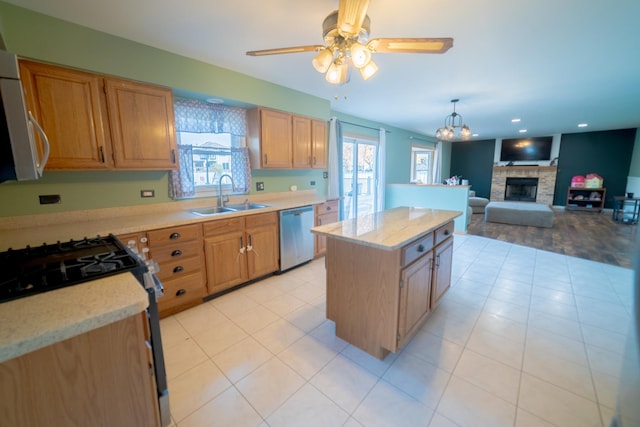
[546, 180]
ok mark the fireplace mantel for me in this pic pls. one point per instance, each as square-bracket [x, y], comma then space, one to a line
[525, 168]
[546, 180]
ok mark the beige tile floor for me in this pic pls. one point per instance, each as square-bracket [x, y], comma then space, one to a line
[523, 338]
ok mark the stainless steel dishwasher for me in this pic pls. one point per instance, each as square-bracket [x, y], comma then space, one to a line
[296, 241]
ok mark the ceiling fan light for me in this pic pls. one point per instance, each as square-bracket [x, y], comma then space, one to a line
[322, 61]
[360, 55]
[368, 70]
[338, 73]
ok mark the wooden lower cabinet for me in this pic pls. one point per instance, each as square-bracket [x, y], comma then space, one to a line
[100, 378]
[178, 252]
[378, 298]
[240, 249]
[443, 259]
[415, 296]
[325, 213]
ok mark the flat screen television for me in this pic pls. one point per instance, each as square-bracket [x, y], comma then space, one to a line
[526, 149]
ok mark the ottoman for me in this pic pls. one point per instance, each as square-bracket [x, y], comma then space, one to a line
[519, 213]
[477, 204]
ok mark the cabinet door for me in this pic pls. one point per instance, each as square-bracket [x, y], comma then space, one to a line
[275, 139]
[301, 142]
[226, 261]
[442, 271]
[142, 125]
[321, 241]
[264, 252]
[415, 295]
[68, 104]
[319, 144]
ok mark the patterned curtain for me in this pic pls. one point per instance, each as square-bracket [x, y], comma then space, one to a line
[241, 169]
[197, 116]
[181, 182]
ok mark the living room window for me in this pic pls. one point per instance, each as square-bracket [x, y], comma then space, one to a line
[421, 163]
[211, 144]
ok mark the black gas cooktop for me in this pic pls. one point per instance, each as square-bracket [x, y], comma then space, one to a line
[32, 270]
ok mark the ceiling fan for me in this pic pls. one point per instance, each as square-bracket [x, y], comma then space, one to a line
[346, 34]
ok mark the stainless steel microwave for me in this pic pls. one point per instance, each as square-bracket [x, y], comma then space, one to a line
[19, 158]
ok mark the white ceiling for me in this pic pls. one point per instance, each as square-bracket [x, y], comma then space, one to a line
[551, 63]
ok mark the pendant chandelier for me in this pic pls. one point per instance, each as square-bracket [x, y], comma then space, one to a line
[453, 126]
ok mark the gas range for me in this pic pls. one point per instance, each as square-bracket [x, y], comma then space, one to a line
[32, 270]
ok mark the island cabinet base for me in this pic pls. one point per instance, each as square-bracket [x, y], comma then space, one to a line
[363, 295]
[378, 298]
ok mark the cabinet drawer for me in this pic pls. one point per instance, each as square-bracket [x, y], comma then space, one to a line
[261, 219]
[326, 207]
[177, 252]
[182, 291]
[443, 232]
[416, 249]
[222, 226]
[174, 234]
[179, 267]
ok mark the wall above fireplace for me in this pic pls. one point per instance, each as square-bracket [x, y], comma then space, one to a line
[546, 180]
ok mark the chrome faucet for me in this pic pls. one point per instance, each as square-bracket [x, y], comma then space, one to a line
[221, 198]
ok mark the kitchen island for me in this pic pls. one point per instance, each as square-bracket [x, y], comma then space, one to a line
[385, 273]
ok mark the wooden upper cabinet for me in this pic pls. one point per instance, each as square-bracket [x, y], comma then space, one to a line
[309, 143]
[301, 142]
[68, 104]
[98, 122]
[279, 140]
[319, 144]
[270, 139]
[142, 125]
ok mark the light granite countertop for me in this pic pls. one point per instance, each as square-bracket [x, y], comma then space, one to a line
[34, 230]
[390, 229]
[40, 320]
[34, 322]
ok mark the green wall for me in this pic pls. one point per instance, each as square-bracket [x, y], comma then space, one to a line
[40, 37]
[634, 167]
[473, 160]
[607, 153]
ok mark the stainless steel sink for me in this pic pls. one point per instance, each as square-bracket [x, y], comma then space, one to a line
[246, 206]
[214, 210]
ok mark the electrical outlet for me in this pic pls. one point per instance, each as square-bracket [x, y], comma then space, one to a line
[49, 199]
[325, 175]
[313, 183]
[260, 186]
[147, 193]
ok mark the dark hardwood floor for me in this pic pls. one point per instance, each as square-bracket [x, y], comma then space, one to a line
[581, 234]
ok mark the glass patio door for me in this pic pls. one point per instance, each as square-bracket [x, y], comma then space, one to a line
[359, 177]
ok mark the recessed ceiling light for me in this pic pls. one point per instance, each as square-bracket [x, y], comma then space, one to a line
[515, 120]
[522, 131]
[475, 134]
[582, 125]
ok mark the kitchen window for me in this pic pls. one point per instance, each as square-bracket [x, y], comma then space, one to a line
[211, 144]
[421, 163]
